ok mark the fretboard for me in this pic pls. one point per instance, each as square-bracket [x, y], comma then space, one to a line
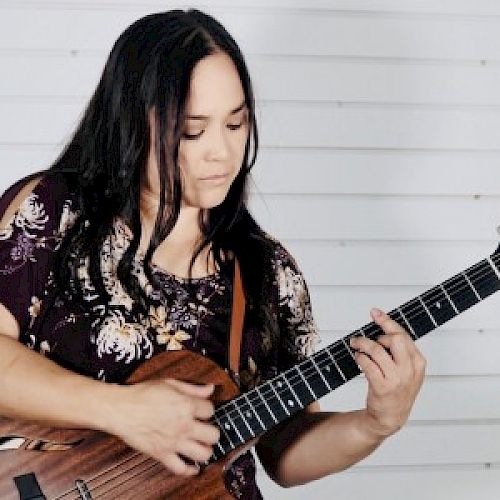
[258, 410]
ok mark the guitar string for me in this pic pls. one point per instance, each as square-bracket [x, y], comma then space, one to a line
[139, 472]
[408, 315]
[97, 476]
[344, 354]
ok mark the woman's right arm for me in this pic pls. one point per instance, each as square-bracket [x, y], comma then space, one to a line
[163, 419]
[160, 418]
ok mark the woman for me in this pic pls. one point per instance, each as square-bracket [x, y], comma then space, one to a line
[144, 213]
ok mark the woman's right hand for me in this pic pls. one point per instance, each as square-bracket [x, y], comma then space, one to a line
[165, 419]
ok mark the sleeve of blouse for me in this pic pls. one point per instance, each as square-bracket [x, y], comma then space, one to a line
[298, 330]
[27, 243]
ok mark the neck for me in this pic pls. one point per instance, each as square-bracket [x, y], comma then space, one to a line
[175, 251]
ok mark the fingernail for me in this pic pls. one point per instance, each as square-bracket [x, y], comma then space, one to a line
[376, 312]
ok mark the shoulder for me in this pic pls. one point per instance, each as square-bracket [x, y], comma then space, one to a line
[45, 197]
[282, 258]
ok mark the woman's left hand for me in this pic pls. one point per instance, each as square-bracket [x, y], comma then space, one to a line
[395, 369]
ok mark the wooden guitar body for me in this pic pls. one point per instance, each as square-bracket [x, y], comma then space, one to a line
[97, 465]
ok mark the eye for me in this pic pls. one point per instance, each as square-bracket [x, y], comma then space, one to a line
[192, 137]
[234, 126]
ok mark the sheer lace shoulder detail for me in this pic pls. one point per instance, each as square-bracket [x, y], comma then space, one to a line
[298, 330]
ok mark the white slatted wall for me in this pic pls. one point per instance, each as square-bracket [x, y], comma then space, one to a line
[379, 170]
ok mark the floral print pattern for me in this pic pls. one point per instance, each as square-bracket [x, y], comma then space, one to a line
[108, 343]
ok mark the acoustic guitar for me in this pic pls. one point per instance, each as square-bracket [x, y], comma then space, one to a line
[42, 463]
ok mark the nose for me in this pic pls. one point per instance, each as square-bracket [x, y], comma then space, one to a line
[218, 146]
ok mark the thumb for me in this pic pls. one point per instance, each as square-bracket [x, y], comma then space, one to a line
[189, 389]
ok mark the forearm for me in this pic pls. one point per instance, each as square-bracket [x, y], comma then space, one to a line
[313, 445]
[35, 388]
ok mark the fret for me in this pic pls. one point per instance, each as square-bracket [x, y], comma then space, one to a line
[289, 401]
[298, 369]
[229, 431]
[240, 424]
[219, 451]
[249, 414]
[493, 266]
[329, 369]
[417, 317]
[286, 395]
[264, 414]
[406, 324]
[217, 455]
[317, 385]
[439, 306]
[346, 344]
[335, 363]
[428, 312]
[328, 386]
[471, 285]
[346, 362]
[223, 451]
[252, 408]
[460, 292]
[279, 408]
[449, 299]
[298, 386]
[484, 278]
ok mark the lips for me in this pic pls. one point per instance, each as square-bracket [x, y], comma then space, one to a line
[214, 177]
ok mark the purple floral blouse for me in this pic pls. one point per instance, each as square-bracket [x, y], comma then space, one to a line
[107, 343]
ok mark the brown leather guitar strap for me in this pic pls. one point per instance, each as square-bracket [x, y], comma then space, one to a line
[237, 318]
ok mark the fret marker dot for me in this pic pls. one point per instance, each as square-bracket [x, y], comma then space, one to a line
[227, 426]
[327, 369]
[290, 402]
[248, 414]
[279, 384]
[438, 305]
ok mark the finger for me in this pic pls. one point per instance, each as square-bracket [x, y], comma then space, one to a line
[205, 433]
[400, 348]
[376, 353]
[385, 322]
[371, 370]
[195, 451]
[201, 391]
[203, 409]
[179, 467]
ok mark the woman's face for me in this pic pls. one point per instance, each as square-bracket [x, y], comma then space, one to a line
[214, 135]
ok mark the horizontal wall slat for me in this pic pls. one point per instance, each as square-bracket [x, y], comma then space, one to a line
[342, 34]
[445, 444]
[297, 125]
[450, 7]
[432, 484]
[377, 218]
[374, 81]
[335, 80]
[335, 172]
[425, 264]
[347, 308]
[376, 172]
[327, 125]
[440, 398]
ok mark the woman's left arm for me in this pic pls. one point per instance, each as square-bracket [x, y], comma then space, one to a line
[313, 444]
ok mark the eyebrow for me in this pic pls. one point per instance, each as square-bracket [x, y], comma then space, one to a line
[203, 117]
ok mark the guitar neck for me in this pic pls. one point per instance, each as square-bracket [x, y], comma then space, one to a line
[265, 406]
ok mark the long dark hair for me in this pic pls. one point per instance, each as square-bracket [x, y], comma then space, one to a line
[149, 68]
